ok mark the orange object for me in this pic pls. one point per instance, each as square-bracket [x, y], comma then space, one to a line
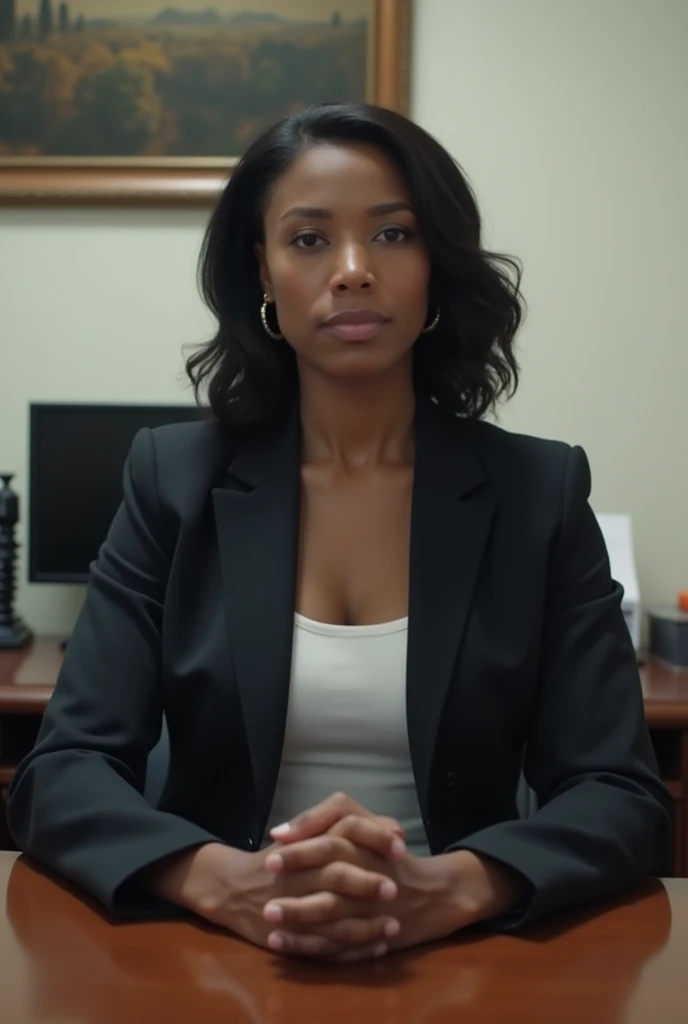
[683, 600]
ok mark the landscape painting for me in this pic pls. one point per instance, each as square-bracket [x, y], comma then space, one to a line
[173, 82]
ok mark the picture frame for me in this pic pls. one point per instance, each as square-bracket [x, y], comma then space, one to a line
[192, 180]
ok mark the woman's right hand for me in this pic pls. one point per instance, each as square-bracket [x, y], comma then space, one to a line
[231, 888]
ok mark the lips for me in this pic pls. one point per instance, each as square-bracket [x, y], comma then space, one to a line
[356, 324]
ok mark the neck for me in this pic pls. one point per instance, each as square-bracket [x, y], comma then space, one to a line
[358, 424]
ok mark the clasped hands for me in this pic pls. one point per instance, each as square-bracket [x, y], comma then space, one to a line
[338, 884]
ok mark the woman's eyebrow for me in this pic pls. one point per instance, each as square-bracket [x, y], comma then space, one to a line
[321, 213]
[382, 209]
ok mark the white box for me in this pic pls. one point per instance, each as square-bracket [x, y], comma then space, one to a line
[618, 536]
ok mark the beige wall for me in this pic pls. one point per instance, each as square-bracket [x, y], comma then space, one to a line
[571, 118]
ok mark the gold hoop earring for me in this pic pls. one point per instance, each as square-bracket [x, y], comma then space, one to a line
[275, 335]
[433, 324]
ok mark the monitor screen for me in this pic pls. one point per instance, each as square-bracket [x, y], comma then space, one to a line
[77, 455]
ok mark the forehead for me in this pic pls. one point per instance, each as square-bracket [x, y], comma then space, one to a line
[337, 176]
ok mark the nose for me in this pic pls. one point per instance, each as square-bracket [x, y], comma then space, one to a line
[352, 270]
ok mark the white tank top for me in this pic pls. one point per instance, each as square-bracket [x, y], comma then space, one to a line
[346, 724]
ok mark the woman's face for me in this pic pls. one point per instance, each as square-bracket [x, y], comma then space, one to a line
[344, 261]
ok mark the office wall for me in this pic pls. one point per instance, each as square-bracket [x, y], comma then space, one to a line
[571, 118]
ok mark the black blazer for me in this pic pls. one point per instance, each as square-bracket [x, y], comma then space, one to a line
[518, 654]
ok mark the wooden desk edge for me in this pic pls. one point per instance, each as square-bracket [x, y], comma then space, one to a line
[666, 714]
[27, 699]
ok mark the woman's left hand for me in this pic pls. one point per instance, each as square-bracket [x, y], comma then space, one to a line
[436, 896]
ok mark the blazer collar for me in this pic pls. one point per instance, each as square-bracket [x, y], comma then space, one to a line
[257, 459]
[446, 460]
[257, 519]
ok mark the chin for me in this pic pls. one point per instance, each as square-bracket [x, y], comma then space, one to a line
[370, 365]
[363, 360]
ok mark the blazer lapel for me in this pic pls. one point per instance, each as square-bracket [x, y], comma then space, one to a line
[257, 515]
[451, 517]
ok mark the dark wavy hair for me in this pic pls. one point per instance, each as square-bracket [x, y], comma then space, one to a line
[465, 364]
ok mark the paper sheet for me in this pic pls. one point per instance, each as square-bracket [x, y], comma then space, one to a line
[618, 536]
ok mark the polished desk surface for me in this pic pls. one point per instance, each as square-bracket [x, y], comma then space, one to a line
[63, 962]
[27, 678]
[27, 675]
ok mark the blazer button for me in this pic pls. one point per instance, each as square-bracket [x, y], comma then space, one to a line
[449, 780]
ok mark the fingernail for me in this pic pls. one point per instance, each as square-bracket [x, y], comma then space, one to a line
[388, 889]
[392, 928]
[273, 912]
[275, 941]
[380, 950]
[398, 848]
[274, 862]
[281, 830]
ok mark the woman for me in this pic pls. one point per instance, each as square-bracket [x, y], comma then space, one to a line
[361, 608]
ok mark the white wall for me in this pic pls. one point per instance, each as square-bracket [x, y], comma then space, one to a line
[571, 118]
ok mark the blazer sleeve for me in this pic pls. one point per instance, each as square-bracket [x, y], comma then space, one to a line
[76, 803]
[604, 818]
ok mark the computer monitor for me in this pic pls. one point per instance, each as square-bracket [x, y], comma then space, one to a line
[77, 455]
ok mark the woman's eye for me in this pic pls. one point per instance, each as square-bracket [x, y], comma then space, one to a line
[312, 240]
[307, 240]
[394, 234]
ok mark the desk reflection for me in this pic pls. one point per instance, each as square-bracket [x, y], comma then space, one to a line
[81, 967]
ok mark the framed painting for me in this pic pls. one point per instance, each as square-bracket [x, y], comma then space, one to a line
[152, 101]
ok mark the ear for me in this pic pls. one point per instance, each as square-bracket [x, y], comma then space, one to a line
[263, 273]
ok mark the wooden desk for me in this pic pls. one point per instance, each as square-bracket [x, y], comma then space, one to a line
[27, 678]
[62, 960]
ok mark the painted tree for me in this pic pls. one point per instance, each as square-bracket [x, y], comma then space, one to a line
[8, 20]
[45, 19]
